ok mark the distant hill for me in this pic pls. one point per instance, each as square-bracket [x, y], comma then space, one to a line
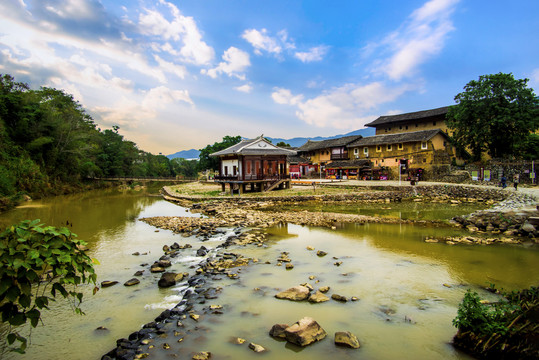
[185, 154]
[294, 142]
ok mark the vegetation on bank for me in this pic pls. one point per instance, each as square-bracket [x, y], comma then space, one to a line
[507, 329]
[37, 265]
[49, 145]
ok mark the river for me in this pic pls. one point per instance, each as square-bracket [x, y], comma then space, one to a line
[408, 290]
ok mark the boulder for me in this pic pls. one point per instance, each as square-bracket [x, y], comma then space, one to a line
[203, 355]
[108, 283]
[296, 293]
[139, 273]
[256, 348]
[202, 251]
[305, 332]
[169, 279]
[277, 330]
[321, 253]
[338, 297]
[164, 263]
[324, 289]
[528, 228]
[318, 297]
[133, 281]
[347, 339]
[157, 269]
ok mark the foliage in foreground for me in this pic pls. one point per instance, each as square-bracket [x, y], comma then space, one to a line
[507, 329]
[37, 264]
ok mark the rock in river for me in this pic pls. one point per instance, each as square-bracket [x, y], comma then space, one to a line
[305, 332]
[318, 297]
[347, 339]
[108, 283]
[296, 293]
[169, 279]
[133, 281]
[277, 330]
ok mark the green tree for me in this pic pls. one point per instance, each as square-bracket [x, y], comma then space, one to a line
[37, 264]
[282, 144]
[494, 114]
[208, 162]
[185, 168]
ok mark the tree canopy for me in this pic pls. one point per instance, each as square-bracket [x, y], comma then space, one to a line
[48, 142]
[495, 114]
[208, 162]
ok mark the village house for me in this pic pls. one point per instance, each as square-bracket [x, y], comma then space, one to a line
[324, 152]
[253, 165]
[414, 152]
[413, 121]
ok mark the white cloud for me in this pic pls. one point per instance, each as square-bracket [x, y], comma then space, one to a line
[284, 96]
[261, 41]
[349, 106]
[422, 36]
[235, 63]
[180, 29]
[314, 54]
[244, 88]
[172, 68]
[159, 97]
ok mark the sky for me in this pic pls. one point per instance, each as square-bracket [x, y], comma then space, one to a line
[176, 75]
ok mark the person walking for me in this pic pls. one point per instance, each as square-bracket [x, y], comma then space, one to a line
[516, 179]
[503, 180]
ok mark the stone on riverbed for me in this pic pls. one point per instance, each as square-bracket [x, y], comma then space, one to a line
[108, 283]
[169, 279]
[256, 348]
[318, 297]
[203, 355]
[133, 281]
[277, 330]
[347, 339]
[296, 293]
[305, 332]
[338, 297]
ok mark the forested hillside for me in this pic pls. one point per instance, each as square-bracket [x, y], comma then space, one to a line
[50, 145]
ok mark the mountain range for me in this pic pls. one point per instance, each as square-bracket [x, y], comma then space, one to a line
[294, 142]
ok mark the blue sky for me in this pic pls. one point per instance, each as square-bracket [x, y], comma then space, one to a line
[176, 75]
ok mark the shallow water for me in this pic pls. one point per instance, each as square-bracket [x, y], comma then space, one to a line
[406, 210]
[394, 273]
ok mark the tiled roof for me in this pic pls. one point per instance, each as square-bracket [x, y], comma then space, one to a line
[326, 144]
[242, 148]
[386, 119]
[414, 136]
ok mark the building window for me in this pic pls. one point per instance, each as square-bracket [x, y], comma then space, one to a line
[396, 160]
[400, 147]
[378, 148]
[416, 125]
[424, 145]
[445, 144]
[434, 123]
[406, 127]
[366, 150]
[400, 127]
[388, 147]
[356, 151]
[424, 160]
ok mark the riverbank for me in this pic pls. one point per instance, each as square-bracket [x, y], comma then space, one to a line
[511, 218]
